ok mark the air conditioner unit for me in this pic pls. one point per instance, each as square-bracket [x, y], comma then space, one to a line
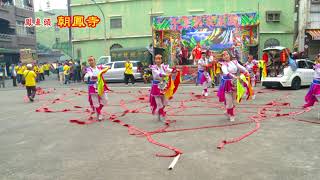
[315, 1]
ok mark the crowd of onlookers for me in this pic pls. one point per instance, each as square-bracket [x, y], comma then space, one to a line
[16, 72]
[70, 71]
[67, 72]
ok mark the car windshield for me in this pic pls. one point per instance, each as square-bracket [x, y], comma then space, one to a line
[118, 65]
[109, 64]
[102, 61]
[310, 64]
[302, 64]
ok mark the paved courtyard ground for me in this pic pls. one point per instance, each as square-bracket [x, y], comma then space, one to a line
[46, 145]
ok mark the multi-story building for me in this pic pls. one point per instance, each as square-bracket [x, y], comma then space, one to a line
[309, 27]
[13, 34]
[128, 22]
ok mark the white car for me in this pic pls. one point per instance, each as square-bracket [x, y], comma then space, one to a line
[303, 76]
[104, 60]
[116, 71]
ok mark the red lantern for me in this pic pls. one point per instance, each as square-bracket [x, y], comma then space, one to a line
[265, 57]
[283, 56]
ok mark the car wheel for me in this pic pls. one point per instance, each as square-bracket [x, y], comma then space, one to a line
[296, 83]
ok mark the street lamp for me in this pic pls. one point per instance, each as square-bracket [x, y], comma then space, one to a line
[104, 25]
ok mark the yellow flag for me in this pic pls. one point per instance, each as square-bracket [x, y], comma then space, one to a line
[240, 90]
[263, 65]
[101, 83]
[169, 92]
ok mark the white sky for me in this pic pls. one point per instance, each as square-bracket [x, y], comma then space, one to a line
[54, 4]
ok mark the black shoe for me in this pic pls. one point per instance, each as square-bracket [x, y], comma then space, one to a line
[31, 99]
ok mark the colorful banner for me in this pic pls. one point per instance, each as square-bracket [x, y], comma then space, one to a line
[215, 39]
[205, 21]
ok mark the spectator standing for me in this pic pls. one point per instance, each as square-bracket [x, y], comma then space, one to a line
[2, 76]
[128, 73]
[13, 75]
[36, 70]
[46, 68]
[41, 72]
[30, 78]
[66, 72]
[83, 70]
[78, 71]
[60, 73]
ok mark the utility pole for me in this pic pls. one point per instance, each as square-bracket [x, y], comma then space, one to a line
[70, 32]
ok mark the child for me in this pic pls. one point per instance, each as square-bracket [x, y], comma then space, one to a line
[314, 91]
[203, 74]
[157, 99]
[252, 67]
[227, 90]
[96, 99]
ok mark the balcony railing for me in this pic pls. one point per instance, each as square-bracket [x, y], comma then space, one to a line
[5, 37]
[5, 5]
[24, 7]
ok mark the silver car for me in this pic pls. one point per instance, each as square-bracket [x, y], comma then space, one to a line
[116, 71]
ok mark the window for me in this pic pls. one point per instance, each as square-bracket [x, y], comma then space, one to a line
[271, 43]
[109, 64]
[6, 2]
[151, 19]
[135, 64]
[21, 29]
[302, 64]
[116, 23]
[25, 4]
[310, 65]
[115, 46]
[102, 61]
[273, 16]
[118, 65]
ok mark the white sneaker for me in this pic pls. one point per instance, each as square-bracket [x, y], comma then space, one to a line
[253, 97]
[206, 94]
[232, 118]
[99, 117]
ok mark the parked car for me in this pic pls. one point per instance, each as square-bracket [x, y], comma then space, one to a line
[116, 71]
[303, 76]
[104, 60]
